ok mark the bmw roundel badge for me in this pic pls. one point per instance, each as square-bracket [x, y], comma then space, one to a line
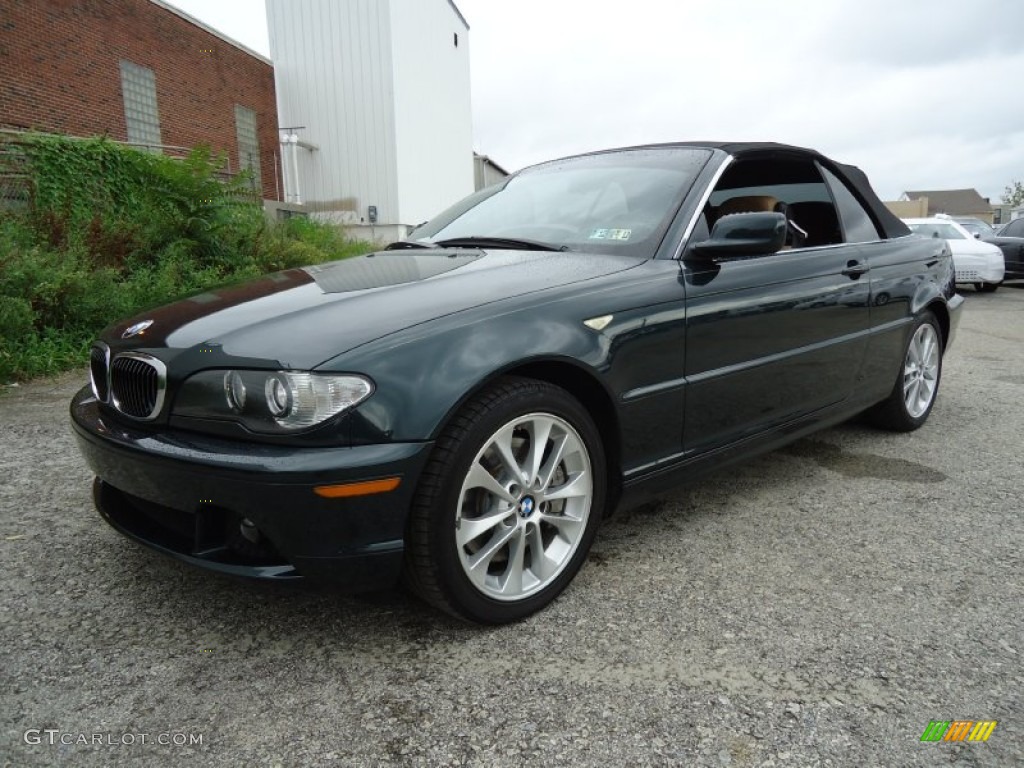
[136, 329]
[526, 507]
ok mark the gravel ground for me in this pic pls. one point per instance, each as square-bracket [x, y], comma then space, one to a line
[816, 607]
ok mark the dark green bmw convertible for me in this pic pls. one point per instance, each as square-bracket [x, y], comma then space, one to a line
[462, 409]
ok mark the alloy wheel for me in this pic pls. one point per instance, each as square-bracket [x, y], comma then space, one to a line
[524, 506]
[921, 370]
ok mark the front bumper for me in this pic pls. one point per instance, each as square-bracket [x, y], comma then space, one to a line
[972, 268]
[250, 509]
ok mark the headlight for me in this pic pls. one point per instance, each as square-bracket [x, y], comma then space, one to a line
[271, 402]
[234, 389]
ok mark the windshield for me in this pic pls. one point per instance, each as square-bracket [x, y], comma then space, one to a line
[945, 231]
[613, 202]
[976, 227]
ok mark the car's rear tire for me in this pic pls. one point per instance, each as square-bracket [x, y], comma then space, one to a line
[913, 395]
[508, 504]
[986, 287]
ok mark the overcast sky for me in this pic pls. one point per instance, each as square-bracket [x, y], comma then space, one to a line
[921, 94]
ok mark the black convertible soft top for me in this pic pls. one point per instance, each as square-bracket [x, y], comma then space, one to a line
[854, 177]
[889, 221]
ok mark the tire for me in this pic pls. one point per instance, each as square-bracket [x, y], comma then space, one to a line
[496, 531]
[917, 385]
[986, 287]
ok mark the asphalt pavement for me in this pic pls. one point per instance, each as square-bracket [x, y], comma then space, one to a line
[819, 606]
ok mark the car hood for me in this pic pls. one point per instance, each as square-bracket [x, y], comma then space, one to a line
[300, 318]
[973, 247]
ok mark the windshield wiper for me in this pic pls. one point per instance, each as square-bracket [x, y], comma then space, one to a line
[499, 242]
[403, 245]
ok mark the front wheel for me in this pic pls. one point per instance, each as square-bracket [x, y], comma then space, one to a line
[986, 287]
[508, 504]
[914, 392]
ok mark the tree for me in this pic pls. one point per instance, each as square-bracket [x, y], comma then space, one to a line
[1014, 194]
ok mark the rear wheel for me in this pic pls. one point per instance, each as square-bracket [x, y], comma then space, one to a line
[508, 504]
[913, 394]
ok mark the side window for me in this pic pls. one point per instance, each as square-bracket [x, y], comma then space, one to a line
[1015, 228]
[857, 224]
[793, 187]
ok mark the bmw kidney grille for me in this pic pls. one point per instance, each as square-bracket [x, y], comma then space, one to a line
[133, 383]
[99, 362]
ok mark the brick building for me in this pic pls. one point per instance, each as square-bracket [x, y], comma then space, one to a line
[138, 71]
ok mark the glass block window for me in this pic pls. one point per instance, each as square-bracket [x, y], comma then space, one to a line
[248, 142]
[138, 86]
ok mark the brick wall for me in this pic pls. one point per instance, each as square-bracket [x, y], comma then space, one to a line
[60, 72]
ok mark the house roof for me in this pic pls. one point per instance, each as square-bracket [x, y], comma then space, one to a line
[952, 201]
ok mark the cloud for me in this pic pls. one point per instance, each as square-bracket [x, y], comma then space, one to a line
[888, 33]
[916, 93]
[911, 92]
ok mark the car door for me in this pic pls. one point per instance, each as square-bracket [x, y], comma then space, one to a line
[1011, 242]
[893, 291]
[775, 337]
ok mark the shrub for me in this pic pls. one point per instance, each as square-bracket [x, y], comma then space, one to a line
[110, 231]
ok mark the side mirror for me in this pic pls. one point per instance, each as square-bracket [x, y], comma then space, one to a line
[743, 234]
[977, 235]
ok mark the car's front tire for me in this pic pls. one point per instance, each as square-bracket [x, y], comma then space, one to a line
[508, 504]
[913, 395]
[986, 287]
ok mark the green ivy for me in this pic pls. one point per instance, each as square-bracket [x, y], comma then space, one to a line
[112, 230]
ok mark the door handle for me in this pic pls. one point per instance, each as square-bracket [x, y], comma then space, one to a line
[855, 269]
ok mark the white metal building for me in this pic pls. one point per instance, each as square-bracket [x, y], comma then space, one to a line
[373, 100]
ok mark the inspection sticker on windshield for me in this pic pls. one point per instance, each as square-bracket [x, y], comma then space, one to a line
[610, 234]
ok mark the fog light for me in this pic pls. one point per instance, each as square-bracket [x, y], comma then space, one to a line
[249, 530]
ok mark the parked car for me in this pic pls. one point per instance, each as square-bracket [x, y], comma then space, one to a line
[464, 408]
[977, 263]
[1010, 240]
[1013, 228]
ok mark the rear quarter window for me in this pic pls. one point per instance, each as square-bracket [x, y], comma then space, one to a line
[858, 226]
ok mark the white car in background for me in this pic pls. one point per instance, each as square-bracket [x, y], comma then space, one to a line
[975, 262]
